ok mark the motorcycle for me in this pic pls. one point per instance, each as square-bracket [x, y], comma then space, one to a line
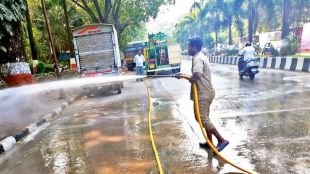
[248, 68]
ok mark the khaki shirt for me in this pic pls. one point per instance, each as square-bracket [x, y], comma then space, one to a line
[201, 64]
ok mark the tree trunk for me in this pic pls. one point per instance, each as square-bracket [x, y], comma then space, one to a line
[230, 42]
[107, 10]
[68, 29]
[32, 43]
[15, 45]
[285, 18]
[250, 21]
[216, 38]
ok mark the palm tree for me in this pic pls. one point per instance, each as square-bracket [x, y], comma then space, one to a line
[256, 9]
[232, 12]
[213, 18]
[11, 13]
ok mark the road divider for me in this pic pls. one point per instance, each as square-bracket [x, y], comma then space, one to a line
[283, 63]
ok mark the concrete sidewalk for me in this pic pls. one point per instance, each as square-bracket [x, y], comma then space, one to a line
[20, 111]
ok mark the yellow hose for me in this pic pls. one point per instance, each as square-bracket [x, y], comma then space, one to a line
[205, 135]
[196, 103]
[150, 130]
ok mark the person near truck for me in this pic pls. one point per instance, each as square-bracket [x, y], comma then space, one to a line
[139, 59]
[201, 75]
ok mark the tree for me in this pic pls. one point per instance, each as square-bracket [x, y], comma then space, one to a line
[286, 7]
[250, 20]
[258, 9]
[121, 13]
[11, 13]
[58, 25]
[32, 43]
[232, 12]
[69, 34]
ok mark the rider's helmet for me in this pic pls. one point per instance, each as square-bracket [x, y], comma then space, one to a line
[247, 44]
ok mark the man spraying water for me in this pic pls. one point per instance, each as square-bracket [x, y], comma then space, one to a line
[201, 74]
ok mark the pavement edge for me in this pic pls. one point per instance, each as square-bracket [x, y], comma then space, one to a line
[8, 142]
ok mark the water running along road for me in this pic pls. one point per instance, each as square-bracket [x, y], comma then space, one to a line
[266, 121]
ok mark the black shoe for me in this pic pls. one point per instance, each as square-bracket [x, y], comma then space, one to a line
[204, 145]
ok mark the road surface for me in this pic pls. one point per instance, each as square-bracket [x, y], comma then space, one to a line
[266, 121]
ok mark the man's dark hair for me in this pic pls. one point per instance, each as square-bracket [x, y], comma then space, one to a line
[247, 44]
[196, 42]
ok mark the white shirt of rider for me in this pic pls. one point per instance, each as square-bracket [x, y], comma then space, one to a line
[139, 59]
[248, 53]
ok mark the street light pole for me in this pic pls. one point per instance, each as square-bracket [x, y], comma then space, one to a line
[50, 39]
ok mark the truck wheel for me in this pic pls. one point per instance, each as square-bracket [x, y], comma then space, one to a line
[119, 90]
[178, 70]
[130, 67]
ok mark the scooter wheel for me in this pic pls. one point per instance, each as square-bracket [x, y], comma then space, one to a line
[252, 77]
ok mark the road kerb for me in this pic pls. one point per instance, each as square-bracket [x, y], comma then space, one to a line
[8, 143]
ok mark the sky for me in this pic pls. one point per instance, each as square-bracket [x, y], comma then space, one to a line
[168, 16]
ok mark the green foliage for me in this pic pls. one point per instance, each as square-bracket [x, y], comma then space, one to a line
[209, 42]
[225, 19]
[132, 33]
[257, 48]
[10, 11]
[41, 67]
[291, 47]
[230, 51]
[57, 22]
[44, 67]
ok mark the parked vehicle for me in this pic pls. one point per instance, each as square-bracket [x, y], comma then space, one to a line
[132, 50]
[163, 54]
[97, 54]
[305, 39]
[248, 68]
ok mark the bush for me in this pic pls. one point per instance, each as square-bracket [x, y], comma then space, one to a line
[209, 41]
[230, 50]
[291, 47]
[258, 49]
[49, 68]
[41, 67]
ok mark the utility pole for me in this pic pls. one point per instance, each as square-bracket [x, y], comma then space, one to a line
[68, 28]
[50, 39]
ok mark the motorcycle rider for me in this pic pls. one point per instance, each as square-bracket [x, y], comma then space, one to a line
[248, 53]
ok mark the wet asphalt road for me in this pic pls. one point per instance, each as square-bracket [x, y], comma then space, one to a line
[267, 122]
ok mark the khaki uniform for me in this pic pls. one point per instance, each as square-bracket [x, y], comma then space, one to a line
[205, 89]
